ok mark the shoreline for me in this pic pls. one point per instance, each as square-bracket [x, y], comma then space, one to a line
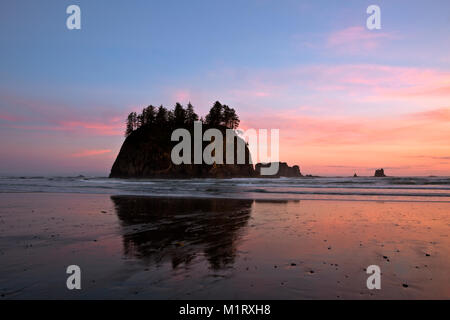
[266, 199]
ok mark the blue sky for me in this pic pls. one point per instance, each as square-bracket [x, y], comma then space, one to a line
[265, 58]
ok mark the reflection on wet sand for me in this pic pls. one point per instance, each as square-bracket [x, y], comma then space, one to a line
[159, 248]
[158, 230]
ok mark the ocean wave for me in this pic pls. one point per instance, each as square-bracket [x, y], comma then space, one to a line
[343, 193]
[325, 187]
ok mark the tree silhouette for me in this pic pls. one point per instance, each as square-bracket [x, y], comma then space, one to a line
[131, 123]
[191, 116]
[170, 118]
[230, 118]
[161, 116]
[222, 115]
[148, 116]
[215, 115]
[179, 115]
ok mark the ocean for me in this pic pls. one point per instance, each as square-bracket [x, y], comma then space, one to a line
[319, 188]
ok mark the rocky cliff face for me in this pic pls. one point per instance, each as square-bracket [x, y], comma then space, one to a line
[146, 153]
[284, 170]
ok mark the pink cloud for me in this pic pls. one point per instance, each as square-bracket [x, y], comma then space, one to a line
[182, 96]
[436, 115]
[418, 91]
[9, 117]
[36, 114]
[372, 75]
[356, 39]
[358, 82]
[113, 127]
[420, 128]
[263, 93]
[90, 153]
[75, 127]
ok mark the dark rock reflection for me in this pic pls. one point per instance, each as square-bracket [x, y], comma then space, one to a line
[178, 230]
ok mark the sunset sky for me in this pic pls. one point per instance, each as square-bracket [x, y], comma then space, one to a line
[345, 99]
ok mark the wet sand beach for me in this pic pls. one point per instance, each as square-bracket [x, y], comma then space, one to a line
[137, 247]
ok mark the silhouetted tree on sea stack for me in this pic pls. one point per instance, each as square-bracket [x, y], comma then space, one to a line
[147, 117]
[191, 116]
[162, 116]
[179, 115]
[215, 115]
[230, 118]
[131, 124]
[222, 115]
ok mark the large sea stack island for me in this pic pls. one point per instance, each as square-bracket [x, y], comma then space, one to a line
[146, 152]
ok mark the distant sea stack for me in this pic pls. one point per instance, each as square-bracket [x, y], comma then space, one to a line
[284, 170]
[146, 152]
[379, 173]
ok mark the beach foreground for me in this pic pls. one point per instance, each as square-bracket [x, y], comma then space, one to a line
[137, 247]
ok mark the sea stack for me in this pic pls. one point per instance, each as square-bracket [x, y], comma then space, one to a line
[379, 173]
[147, 150]
[146, 154]
[283, 171]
